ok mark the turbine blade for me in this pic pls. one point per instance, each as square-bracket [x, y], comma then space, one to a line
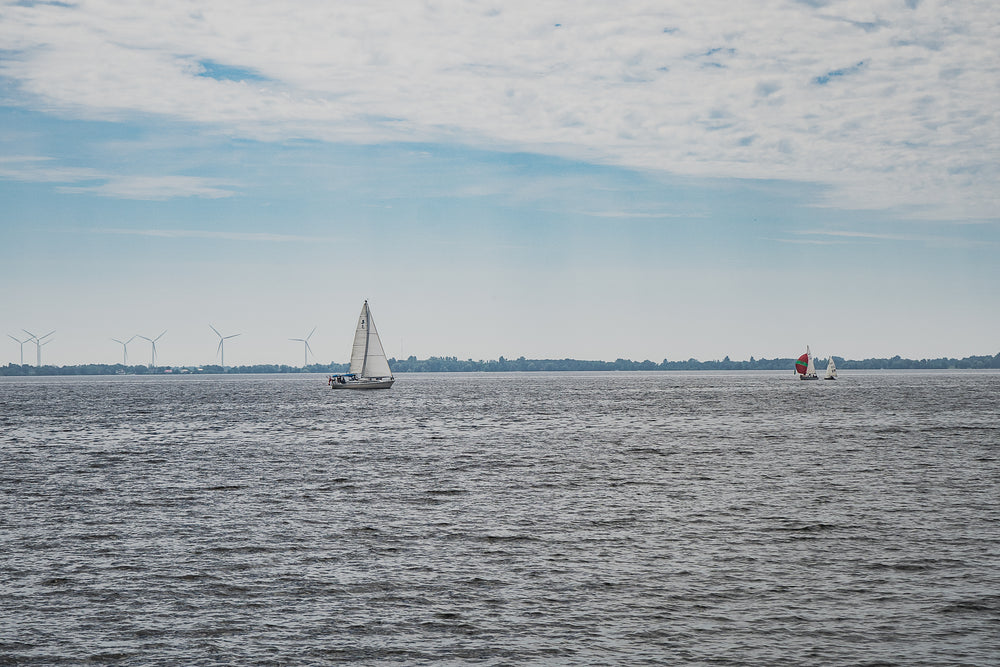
[160, 336]
[216, 331]
[311, 333]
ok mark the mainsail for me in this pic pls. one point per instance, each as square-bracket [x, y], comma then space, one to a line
[367, 356]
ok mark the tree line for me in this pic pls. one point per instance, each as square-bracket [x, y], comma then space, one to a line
[455, 365]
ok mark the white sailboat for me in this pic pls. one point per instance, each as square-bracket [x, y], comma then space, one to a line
[369, 366]
[831, 370]
[805, 368]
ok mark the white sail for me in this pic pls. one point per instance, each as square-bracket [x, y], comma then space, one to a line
[360, 342]
[367, 356]
[831, 369]
[811, 368]
[376, 364]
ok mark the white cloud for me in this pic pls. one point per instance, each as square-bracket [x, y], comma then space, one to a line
[823, 237]
[632, 215]
[36, 169]
[218, 235]
[890, 105]
[806, 241]
[154, 187]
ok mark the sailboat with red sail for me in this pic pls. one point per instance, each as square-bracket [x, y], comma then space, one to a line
[804, 366]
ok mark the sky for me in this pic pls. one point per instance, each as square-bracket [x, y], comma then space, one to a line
[590, 180]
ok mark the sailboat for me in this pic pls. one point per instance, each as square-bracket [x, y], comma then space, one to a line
[831, 370]
[804, 366]
[369, 366]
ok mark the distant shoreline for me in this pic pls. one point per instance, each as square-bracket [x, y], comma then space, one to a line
[455, 365]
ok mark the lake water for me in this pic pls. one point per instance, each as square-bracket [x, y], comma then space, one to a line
[507, 519]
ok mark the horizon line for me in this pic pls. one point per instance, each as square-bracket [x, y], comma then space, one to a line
[451, 358]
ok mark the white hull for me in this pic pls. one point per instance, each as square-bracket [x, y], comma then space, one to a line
[362, 384]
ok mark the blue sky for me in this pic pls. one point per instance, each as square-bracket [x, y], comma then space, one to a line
[545, 180]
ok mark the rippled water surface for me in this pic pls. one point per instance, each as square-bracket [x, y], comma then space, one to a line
[551, 518]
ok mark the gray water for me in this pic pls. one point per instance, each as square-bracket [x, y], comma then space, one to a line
[512, 519]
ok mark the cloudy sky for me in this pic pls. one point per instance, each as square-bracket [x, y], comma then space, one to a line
[596, 180]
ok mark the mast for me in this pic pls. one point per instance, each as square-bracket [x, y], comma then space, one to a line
[368, 335]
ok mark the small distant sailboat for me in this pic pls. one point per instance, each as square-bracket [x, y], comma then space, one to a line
[831, 370]
[369, 366]
[804, 366]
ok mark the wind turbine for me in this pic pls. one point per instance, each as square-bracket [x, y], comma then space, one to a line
[306, 349]
[124, 345]
[21, 343]
[38, 344]
[221, 351]
[152, 341]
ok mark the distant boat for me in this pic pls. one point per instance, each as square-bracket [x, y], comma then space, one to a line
[369, 366]
[804, 366]
[831, 370]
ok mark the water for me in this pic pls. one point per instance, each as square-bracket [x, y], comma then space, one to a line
[556, 518]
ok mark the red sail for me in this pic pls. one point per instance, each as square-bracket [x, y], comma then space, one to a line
[802, 364]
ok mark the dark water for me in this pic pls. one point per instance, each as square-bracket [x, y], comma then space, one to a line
[501, 519]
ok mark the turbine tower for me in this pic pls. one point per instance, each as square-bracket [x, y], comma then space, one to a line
[306, 349]
[21, 343]
[124, 345]
[152, 341]
[221, 351]
[38, 344]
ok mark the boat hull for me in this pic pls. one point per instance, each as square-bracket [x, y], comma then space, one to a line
[362, 384]
[808, 377]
